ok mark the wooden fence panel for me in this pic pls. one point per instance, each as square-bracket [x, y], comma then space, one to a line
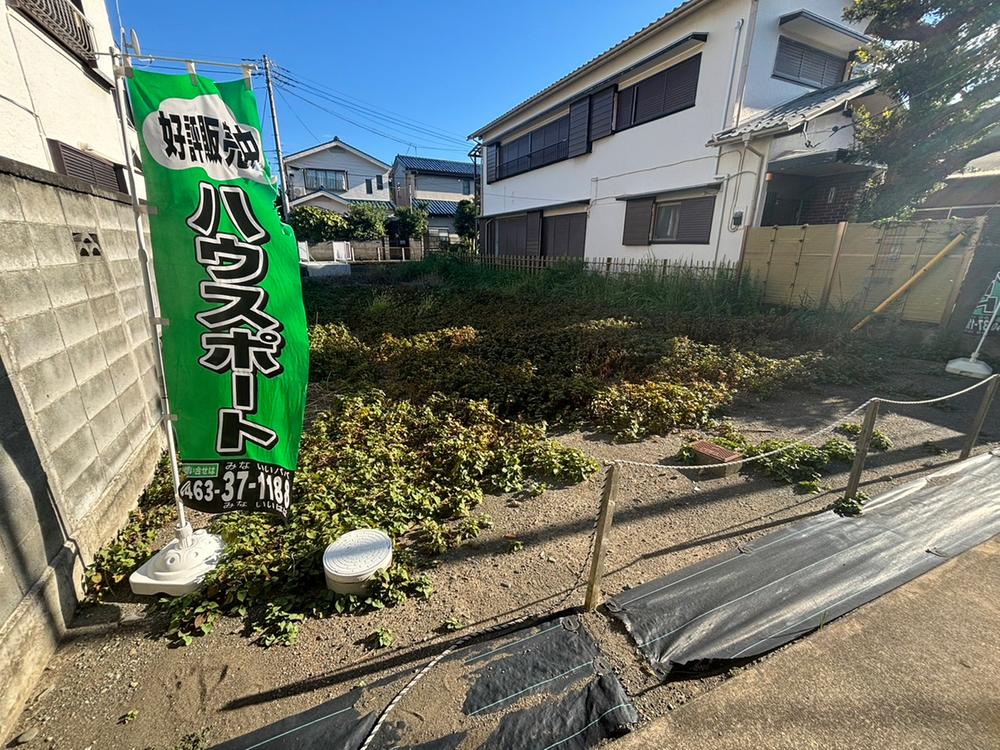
[856, 266]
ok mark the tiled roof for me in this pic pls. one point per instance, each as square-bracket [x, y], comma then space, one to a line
[440, 208]
[369, 202]
[791, 114]
[438, 166]
[663, 21]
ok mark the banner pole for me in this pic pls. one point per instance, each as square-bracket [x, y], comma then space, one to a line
[183, 527]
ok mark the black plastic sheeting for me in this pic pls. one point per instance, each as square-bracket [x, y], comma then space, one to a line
[541, 687]
[742, 604]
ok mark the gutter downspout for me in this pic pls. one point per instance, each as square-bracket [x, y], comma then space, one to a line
[741, 86]
[752, 214]
[732, 75]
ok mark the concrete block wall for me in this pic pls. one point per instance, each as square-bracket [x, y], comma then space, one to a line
[79, 403]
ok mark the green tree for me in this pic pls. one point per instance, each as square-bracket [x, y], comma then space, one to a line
[313, 224]
[940, 61]
[366, 223]
[467, 219]
[411, 222]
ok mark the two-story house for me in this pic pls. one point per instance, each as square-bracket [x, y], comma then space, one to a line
[714, 117]
[437, 184]
[335, 175]
[58, 108]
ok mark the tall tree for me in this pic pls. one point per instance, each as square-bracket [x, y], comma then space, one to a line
[940, 61]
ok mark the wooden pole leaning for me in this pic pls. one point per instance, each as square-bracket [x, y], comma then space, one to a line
[861, 453]
[980, 418]
[604, 519]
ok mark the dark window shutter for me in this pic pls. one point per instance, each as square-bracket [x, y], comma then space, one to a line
[626, 97]
[649, 97]
[695, 225]
[638, 217]
[368, 185]
[800, 62]
[533, 233]
[485, 238]
[378, 181]
[579, 115]
[577, 235]
[512, 235]
[602, 109]
[491, 162]
[682, 85]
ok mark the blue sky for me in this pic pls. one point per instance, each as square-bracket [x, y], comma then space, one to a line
[432, 63]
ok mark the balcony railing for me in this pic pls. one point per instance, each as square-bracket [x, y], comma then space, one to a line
[64, 22]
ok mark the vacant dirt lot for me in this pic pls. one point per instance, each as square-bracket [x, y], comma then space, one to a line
[113, 663]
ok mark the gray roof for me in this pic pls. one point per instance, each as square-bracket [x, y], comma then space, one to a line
[437, 166]
[663, 21]
[792, 114]
[440, 208]
[369, 202]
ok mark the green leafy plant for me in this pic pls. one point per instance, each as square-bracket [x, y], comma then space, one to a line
[128, 717]
[313, 224]
[452, 624]
[365, 222]
[415, 471]
[850, 506]
[382, 638]
[411, 222]
[796, 463]
[515, 545]
[880, 441]
[467, 219]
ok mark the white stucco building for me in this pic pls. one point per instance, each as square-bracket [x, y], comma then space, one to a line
[714, 117]
[58, 109]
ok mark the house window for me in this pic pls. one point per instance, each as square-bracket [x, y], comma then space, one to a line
[807, 65]
[685, 221]
[324, 179]
[466, 187]
[378, 181]
[666, 217]
[368, 186]
[542, 146]
[659, 95]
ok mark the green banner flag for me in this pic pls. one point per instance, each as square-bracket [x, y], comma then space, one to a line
[235, 348]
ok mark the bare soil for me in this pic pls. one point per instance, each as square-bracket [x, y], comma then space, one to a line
[113, 662]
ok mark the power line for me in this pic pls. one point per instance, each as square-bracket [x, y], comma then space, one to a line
[366, 127]
[291, 74]
[389, 122]
[296, 115]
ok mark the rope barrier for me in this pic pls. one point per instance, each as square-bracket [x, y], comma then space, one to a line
[510, 624]
[463, 642]
[810, 436]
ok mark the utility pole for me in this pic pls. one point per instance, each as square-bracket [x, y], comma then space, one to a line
[277, 138]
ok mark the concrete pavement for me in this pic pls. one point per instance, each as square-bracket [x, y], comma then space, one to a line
[918, 668]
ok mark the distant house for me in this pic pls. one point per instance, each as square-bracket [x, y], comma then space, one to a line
[438, 184]
[975, 191]
[718, 116]
[335, 175]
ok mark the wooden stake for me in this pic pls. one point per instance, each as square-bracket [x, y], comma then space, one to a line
[864, 441]
[977, 423]
[604, 518]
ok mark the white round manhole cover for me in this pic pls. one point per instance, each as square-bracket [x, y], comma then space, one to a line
[357, 556]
